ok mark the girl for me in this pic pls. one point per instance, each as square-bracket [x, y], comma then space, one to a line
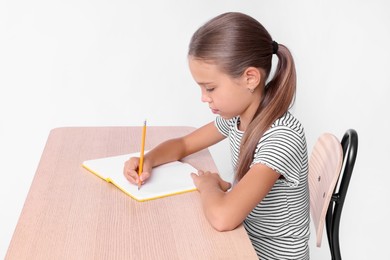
[230, 58]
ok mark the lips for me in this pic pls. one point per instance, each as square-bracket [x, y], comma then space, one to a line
[215, 111]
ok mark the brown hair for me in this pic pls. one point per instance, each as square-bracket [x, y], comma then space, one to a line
[235, 41]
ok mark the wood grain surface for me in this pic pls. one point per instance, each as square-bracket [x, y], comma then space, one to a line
[71, 214]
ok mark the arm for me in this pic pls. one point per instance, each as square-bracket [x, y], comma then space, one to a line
[226, 210]
[178, 148]
[173, 150]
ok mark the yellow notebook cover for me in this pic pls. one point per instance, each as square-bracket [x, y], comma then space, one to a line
[166, 180]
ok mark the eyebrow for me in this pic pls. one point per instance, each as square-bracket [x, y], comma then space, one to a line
[205, 83]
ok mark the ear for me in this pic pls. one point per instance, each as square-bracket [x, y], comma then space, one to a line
[252, 77]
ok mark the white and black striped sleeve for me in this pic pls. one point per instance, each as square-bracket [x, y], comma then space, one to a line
[282, 149]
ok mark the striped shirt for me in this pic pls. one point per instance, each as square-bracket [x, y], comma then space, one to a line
[278, 226]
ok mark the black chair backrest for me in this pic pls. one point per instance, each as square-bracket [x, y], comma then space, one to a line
[350, 148]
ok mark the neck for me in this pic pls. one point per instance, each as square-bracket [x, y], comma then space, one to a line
[247, 116]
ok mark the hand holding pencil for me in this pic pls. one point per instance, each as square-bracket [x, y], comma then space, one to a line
[131, 170]
[137, 169]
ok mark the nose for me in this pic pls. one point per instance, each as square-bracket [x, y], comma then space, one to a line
[205, 97]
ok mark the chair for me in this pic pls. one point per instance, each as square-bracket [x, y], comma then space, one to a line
[330, 168]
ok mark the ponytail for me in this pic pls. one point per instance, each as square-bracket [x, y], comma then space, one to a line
[278, 96]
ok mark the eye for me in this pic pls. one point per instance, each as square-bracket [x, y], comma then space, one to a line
[209, 89]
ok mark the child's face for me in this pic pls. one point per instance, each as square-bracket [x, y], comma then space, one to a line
[226, 96]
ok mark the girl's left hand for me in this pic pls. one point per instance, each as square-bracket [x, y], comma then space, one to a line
[202, 180]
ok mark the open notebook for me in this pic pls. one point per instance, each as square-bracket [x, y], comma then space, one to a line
[166, 180]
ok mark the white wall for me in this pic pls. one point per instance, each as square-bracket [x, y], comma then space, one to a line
[88, 63]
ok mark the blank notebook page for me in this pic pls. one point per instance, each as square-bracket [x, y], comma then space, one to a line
[166, 180]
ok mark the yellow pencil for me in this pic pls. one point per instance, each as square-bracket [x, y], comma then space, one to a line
[141, 159]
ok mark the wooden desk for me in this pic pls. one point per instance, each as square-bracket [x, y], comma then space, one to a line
[69, 213]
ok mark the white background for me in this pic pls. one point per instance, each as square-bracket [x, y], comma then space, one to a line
[115, 63]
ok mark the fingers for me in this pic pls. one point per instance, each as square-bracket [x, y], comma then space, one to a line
[193, 176]
[225, 186]
[196, 177]
[211, 178]
[144, 176]
[200, 172]
[130, 171]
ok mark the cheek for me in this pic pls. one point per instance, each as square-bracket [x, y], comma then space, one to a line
[233, 96]
[236, 101]
[228, 102]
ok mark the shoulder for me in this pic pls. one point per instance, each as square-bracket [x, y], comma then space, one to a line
[288, 121]
[287, 127]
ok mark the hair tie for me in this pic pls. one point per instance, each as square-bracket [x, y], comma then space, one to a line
[275, 47]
